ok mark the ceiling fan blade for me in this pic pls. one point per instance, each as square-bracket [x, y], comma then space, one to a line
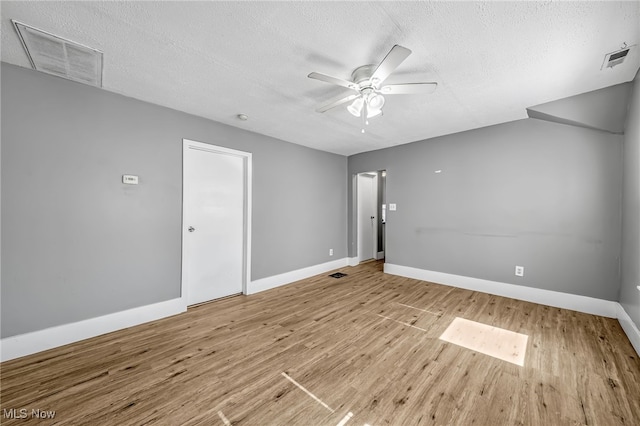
[395, 57]
[408, 88]
[333, 80]
[336, 103]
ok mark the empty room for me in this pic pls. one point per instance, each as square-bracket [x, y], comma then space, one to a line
[320, 213]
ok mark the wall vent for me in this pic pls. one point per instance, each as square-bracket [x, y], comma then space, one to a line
[58, 56]
[615, 58]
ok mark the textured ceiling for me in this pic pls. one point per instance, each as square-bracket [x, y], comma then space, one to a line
[491, 60]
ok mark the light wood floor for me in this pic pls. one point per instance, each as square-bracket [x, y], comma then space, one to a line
[312, 352]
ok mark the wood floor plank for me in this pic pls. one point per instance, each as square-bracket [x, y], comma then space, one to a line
[366, 345]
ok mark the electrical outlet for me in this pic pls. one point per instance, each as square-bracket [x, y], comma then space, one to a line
[330, 252]
[519, 271]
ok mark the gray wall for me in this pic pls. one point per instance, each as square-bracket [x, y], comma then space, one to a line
[77, 243]
[629, 294]
[604, 109]
[542, 195]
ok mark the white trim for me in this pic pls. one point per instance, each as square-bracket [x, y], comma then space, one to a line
[629, 327]
[353, 261]
[248, 175]
[359, 226]
[380, 255]
[41, 340]
[288, 277]
[589, 305]
[248, 220]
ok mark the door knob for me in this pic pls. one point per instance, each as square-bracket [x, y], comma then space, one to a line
[191, 229]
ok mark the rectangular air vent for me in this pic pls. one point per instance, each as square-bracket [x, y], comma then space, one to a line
[615, 58]
[58, 56]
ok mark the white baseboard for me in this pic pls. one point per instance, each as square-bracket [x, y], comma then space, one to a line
[380, 255]
[630, 329]
[589, 305]
[41, 340]
[288, 277]
[353, 261]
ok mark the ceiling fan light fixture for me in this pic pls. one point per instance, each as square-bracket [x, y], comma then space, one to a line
[367, 81]
[356, 107]
[375, 101]
[373, 112]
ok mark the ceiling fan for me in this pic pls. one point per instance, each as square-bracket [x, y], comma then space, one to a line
[367, 82]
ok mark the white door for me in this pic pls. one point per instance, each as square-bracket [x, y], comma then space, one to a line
[216, 185]
[367, 223]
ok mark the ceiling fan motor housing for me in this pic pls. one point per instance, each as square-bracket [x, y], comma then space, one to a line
[363, 74]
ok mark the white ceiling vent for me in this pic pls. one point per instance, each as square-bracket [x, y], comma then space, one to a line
[58, 56]
[616, 58]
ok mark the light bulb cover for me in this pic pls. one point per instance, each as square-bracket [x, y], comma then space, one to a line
[375, 101]
[356, 107]
[373, 112]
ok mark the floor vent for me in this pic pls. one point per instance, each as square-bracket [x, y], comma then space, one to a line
[338, 275]
[58, 56]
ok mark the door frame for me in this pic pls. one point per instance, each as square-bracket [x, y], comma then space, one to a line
[375, 183]
[248, 172]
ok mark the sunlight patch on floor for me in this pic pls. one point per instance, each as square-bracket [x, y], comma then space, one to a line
[224, 418]
[305, 390]
[345, 419]
[493, 341]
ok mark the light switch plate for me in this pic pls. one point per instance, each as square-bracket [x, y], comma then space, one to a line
[392, 207]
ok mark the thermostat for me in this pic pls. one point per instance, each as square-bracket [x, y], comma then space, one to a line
[130, 179]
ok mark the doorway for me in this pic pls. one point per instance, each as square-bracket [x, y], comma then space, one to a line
[216, 222]
[370, 215]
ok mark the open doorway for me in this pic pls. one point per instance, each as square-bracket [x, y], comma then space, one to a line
[371, 215]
